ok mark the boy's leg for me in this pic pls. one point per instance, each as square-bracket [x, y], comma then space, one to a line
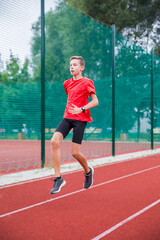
[78, 132]
[61, 132]
[58, 180]
[80, 157]
[82, 160]
[56, 155]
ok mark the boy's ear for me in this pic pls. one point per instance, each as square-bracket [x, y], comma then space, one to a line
[82, 67]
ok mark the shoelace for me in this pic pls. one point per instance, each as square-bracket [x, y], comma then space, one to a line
[87, 174]
[56, 182]
[87, 177]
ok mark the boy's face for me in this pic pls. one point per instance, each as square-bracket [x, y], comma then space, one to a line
[75, 67]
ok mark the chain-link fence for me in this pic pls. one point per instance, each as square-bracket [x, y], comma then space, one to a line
[68, 33]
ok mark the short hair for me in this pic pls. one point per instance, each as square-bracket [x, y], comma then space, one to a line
[81, 60]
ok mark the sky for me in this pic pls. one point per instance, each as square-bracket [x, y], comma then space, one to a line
[16, 19]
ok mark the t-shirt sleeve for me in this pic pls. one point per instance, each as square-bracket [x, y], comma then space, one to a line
[91, 87]
[65, 86]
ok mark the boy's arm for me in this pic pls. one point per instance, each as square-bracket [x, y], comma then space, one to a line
[91, 104]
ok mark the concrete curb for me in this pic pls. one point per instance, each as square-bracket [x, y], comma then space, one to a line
[45, 172]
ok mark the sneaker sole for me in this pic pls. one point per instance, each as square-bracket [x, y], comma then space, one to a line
[64, 183]
[92, 177]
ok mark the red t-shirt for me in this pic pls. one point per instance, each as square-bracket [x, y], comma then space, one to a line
[78, 92]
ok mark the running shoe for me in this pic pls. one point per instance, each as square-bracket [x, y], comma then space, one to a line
[58, 184]
[88, 178]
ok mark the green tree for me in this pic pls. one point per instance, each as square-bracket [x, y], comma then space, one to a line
[137, 20]
[13, 69]
[13, 72]
[70, 33]
[24, 72]
[13, 97]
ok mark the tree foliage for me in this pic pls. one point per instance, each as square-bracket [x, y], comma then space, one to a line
[13, 73]
[138, 20]
[69, 33]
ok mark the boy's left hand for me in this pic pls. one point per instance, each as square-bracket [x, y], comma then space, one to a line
[75, 109]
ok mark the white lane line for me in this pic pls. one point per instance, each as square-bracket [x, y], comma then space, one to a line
[40, 203]
[126, 220]
[78, 191]
[129, 175]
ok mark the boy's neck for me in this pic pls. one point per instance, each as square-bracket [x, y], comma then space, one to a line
[77, 77]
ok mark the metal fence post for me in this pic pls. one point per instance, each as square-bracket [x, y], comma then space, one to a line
[152, 97]
[42, 84]
[113, 90]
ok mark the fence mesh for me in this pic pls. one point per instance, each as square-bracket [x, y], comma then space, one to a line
[133, 101]
[156, 89]
[68, 33]
[20, 146]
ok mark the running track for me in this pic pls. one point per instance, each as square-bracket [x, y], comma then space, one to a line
[123, 204]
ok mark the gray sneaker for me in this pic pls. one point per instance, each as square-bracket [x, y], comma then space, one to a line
[58, 184]
[88, 179]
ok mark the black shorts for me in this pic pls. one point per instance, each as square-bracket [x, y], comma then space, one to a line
[78, 129]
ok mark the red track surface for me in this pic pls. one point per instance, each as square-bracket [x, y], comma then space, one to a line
[29, 212]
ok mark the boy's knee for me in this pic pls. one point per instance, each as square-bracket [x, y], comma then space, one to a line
[75, 154]
[55, 142]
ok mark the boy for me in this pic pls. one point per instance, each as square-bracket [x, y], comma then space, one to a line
[76, 116]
